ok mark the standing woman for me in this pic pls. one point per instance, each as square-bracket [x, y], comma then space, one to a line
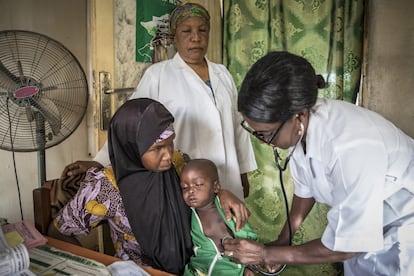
[202, 97]
[342, 155]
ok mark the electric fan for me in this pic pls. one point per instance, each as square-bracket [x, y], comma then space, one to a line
[43, 93]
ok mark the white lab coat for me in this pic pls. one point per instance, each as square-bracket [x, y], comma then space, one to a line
[362, 166]
[206, 126]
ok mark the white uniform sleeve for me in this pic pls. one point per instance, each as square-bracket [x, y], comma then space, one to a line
[148, 86]
[244, 149]
[355, 220]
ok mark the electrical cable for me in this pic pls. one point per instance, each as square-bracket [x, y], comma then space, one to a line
[14, 159]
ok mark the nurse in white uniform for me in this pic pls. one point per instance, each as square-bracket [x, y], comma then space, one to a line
[202, 97]
[342, 155]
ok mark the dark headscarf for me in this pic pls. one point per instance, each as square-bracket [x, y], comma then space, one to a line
[153, 201]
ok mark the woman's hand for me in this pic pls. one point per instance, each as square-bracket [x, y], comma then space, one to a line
[249, 252]
[233, 206]
[79, 167]
[244, 251]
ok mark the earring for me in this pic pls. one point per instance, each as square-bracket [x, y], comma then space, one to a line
[300, 131]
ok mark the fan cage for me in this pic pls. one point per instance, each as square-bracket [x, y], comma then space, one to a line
[48, 117]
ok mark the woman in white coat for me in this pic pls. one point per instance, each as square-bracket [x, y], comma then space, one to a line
[342, 155]
[202, 97]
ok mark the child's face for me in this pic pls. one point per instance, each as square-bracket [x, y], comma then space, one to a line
[158, 157]
[198, 188]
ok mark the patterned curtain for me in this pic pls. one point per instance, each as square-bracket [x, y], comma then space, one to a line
[329, 34]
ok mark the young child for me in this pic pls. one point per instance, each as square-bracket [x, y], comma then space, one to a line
[200, 186]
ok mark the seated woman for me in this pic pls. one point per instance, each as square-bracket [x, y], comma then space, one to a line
[142, 201]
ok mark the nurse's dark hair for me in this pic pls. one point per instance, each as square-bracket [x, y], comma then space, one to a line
[278, 86]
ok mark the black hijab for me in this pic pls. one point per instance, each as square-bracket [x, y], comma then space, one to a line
[153, 201]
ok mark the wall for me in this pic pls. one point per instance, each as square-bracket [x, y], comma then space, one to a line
[66, 22]
[128, 72]
[389, 79]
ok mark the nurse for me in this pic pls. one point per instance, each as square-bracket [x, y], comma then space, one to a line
[342, 155]
[202, 97]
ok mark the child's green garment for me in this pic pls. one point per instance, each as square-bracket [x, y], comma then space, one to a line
[207, 259]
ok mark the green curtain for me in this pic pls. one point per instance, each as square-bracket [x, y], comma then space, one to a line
[330, 35]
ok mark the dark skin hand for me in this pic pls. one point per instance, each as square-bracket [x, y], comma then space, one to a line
[313, 252]
[80, 167]
[279, 252]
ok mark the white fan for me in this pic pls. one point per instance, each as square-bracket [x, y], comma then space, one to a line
[43, 93]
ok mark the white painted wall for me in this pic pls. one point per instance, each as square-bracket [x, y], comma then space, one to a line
[389, 81]
[66, 22]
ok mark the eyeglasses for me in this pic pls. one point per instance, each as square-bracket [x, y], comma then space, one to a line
[260, 135]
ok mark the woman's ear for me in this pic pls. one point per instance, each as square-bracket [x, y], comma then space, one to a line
[302, 116]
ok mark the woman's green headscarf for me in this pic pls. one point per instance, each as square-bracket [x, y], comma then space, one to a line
[185, 10]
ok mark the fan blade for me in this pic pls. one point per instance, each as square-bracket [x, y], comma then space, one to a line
[49, 88]
[6, 82]
[50, 112]
[29, 114]
[7, 79]
[19, 66]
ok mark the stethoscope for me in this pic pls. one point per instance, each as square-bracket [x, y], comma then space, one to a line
[281, 169]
